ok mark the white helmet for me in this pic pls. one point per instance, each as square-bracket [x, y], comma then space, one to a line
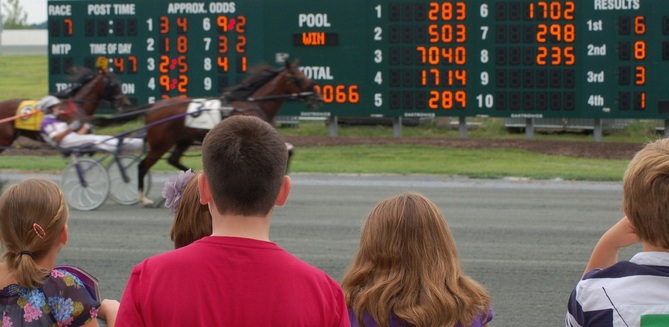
[47, 102]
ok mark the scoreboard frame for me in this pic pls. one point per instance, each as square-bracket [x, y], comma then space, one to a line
[398, 58]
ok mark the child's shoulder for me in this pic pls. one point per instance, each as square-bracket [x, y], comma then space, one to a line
[59, 279]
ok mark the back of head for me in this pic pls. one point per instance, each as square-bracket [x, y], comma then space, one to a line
[192, 220]
[244, 160]
[407, 263]
[645, 193]
[32, 215]
[47, 102]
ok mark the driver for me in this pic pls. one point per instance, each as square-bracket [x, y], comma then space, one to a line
[61, 134]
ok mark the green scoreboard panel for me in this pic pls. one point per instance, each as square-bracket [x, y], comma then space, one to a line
[541, 59]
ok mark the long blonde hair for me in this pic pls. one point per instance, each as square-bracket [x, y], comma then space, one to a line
[33, 214]
[407, 264]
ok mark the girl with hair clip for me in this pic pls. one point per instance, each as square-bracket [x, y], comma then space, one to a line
[33, 229]
[192, 220]
[407, 272]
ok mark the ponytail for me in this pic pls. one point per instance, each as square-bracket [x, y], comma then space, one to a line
[33, 214]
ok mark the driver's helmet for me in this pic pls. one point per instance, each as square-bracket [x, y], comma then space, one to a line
[47, 103]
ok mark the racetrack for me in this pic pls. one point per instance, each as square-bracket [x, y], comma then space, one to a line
[526, 241]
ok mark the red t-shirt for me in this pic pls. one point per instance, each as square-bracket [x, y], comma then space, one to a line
[228, 281]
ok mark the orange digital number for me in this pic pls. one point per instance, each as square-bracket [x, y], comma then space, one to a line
[338, 93]
[241, 24]
[640, 75]
[447, 100]
[565, 33]
[164, 25]
[639, 25]
[164, 64]
[182, 24]
[183, 65]
[165, 83]
[460, 76]
[119, 63]
[569, 56]
[132, 62]
[445, 11]
[642, 100]
[182, 44]
[222, 22]
[166, 45]
[553, 10]
[639, 50]
[241, 44]
[241, 63]
[569, 33]
[223, 63]
[569, 8]
[557, 56]
[434, 55]
[453, 77]
[433, 72]
[68, 25]
[222, 44]
[446, 32]
[457, 55]
[182, 85]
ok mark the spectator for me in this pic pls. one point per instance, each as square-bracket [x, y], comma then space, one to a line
[33, 229]
[407, 272]
[192, 220]
[634, 292]
[236, 276]
[59, 133]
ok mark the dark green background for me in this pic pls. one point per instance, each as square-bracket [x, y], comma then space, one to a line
[272, 26]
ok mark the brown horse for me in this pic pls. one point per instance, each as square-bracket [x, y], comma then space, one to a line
[261, 94]
[88, 90]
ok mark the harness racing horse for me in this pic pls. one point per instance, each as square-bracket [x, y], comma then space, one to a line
[261, 94]
[85, 96]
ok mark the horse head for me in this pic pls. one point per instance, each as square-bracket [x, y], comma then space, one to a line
[300, 84]
[90, 87]
[113, 91]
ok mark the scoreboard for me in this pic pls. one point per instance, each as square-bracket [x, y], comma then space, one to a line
[528, 59]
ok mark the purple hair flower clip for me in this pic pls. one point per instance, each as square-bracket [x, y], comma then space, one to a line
[174, 189]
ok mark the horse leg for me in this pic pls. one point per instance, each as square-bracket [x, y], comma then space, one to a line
[175, 157]
[151, 158]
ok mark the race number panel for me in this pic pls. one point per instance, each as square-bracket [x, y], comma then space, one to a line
[561, 58]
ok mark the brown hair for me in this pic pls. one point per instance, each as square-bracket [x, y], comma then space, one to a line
[646, 193]
[244, 160]
[33, 214]
[192, 221]
[407, 264]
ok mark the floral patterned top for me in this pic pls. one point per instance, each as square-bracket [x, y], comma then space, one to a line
[61, 301]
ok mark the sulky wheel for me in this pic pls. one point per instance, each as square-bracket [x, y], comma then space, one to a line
[85, 184]
[124, 191]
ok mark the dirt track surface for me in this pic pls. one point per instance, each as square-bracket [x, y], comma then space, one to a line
[585, 149]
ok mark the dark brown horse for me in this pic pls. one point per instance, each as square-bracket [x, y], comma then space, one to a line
[261, 94]
[88, 90]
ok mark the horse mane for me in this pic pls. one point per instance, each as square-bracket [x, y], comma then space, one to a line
[79, 76]
[260, 75]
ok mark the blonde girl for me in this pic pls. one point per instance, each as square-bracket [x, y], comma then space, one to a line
[33, 229]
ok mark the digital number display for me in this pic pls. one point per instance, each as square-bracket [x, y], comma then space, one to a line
[534, 59]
